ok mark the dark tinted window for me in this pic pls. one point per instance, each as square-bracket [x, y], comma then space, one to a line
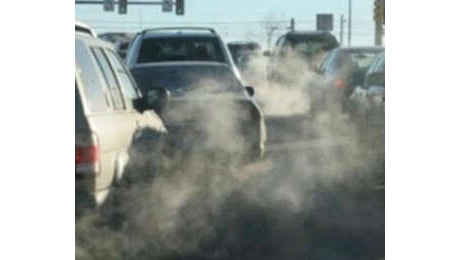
[180, 49]
[109, 77]
[243, 51]
[325, 63]
[90, 77]
[123, 46]
[311, 43]
[381, 65]
[125, 79]
[354, 60]
[378, 64]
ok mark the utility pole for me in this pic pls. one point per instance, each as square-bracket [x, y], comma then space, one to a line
[342, 21]
[378, 34]
[292, 27]
[379, 19]
[349, 22]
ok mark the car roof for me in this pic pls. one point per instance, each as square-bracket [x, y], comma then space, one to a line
[82, 27]
[116, 34]
[85, 37]
[179, 32]
[242, 43]
[183, 64]
[177, 35]
[299, 33]
[361, 48]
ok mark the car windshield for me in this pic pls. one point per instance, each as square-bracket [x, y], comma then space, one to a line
[180, 49]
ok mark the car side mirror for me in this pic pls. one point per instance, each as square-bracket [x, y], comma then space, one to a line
[267, 53]
[376, 79]
[250, 90]
[156, 98]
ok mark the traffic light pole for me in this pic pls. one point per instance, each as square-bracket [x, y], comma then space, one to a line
[292, 26]
[379, 19]
[378, 34]
[349, 22]
[342, 21]
[122, 5]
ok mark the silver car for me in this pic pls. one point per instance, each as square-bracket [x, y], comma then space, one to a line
[111, 118]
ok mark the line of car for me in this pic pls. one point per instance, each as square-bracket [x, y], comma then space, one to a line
[181, 88]
[345, 79]
[178, 88]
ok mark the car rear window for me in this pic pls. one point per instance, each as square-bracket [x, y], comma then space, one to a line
[359, 60]
[180, 49]
[311, 43]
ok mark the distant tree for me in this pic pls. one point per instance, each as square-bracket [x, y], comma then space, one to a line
[270, 26]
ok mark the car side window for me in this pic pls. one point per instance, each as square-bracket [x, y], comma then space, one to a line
[325, 63]
[381, 65]
[87, 70]
[375, 65]
[109, 78]
[133, 50]
[126, 82]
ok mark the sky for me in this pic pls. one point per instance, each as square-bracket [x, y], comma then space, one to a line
[238, 19]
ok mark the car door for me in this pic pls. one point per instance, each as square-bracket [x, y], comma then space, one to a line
[131, 93]
[123, 122]
[149, 127]
[101, 112]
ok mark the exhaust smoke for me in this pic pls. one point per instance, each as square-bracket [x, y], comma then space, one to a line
[286, 206]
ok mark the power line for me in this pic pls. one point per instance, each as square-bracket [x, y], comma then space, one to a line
[204, 22]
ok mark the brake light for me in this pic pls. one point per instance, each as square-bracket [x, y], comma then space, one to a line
[340, 83]
[87, 154]
[78, 155]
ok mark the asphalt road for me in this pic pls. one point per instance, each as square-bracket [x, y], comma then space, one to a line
[318, 194]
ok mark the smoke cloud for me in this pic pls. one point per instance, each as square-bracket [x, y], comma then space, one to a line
[316, 182]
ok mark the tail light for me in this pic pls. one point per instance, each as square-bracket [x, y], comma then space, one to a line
[87, 154]
[340, 84]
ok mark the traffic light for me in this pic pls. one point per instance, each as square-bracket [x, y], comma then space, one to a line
[379, 11]
[167, 5]
[180, 8]
[108, 5]
[122, 6]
